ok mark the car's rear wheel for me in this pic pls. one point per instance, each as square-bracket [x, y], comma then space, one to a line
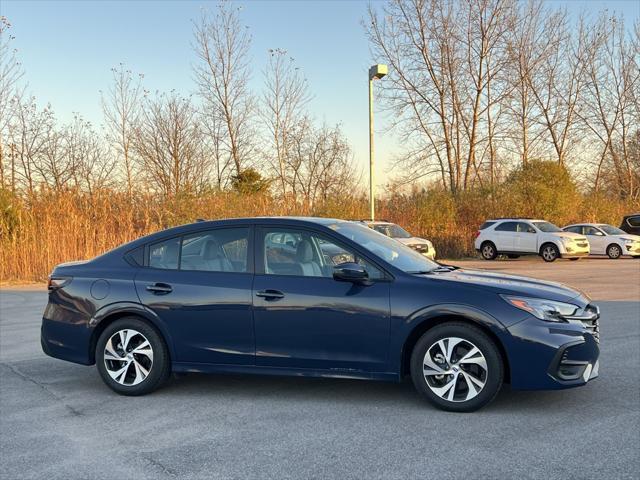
[613, 251]
[488, 251]
[457, 367]
[549, 252]
[132, 358]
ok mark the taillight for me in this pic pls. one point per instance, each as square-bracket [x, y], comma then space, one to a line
[477, 233]
[57, 282]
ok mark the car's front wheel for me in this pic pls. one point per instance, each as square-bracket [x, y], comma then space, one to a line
[132, 358]
[613, 251]
[457, 367]
[549, 252]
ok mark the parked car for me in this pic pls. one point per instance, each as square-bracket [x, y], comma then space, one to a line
[527, 236]
[420, 245]
[215, 297]
[631, 224]
[607, 240]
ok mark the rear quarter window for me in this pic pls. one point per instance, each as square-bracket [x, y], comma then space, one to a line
[486, 225]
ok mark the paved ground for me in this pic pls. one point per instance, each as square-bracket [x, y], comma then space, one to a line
[58, 421]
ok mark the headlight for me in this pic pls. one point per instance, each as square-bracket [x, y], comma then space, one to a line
[543, 309]
[628, 241]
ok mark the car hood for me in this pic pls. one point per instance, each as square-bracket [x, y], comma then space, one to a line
[413, 241]
[573, 236]
[511, 284]
[626, 236]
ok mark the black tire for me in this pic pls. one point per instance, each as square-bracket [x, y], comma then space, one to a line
[488, 250]
[549, 252]
[494, 372]
[160, 367]
[513, 256]
[613, 251]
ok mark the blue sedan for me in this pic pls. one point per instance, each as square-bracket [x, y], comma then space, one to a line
[314, 297]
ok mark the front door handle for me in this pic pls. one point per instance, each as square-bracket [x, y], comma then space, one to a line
[160, 288]
[270, 294]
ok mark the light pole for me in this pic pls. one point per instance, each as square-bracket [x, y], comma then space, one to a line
[375, 72]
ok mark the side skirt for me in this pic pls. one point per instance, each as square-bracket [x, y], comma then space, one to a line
[183, 367]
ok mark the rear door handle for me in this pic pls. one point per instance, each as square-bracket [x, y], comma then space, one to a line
[160, 288]
[270, 294]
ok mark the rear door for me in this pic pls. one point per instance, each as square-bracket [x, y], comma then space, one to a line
[306, 319]
[200, 286]
[506, 236]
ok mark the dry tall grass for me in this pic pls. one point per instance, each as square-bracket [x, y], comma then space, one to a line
[50, 228]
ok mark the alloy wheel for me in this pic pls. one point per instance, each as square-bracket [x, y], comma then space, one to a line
[128, 357]
[455, 369]
[549, 253]
[487, 252]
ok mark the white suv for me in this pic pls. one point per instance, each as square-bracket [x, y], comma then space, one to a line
[607, 240]
[525, 236]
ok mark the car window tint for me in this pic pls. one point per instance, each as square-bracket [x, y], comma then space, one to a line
[634, 221]
[507, 227]
[576, 229]
[525, 227]
[486, 225]
[165, 254]
[220, 250]
[591, 231]
[307, 254]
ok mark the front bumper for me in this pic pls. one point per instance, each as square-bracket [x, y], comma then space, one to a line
[632, 249]
[550, 356]
[575, 251]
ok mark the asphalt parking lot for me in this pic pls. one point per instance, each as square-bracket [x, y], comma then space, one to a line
[58, 420]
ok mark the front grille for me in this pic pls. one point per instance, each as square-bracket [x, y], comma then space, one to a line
[583, 245]
[589, 319]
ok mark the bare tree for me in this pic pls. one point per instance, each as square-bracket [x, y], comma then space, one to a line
[319, 163]
[168, 142]
[121, 108]
[10, 74]
[222, 73]
[448, 60]
[610, 109]
[285, 98]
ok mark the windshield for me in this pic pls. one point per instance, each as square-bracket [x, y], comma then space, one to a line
[393, 252]
[611, 230]
[546, 227]
[393, 231]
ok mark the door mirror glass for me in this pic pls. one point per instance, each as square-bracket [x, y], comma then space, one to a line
[351, 272]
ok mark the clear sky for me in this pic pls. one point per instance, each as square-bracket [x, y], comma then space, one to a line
[68, 47]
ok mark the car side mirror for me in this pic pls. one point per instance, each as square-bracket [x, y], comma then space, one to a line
[351, 272]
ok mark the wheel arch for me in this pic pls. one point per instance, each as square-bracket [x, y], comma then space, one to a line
[110, 313]
[460, 314]
[555, 243]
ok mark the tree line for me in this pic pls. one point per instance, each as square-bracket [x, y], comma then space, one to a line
[222, 136]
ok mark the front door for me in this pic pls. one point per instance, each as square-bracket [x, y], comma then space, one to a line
[306, 319]
[200, 287]
[526, 239]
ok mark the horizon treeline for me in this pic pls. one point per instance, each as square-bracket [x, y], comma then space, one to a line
[479, 92]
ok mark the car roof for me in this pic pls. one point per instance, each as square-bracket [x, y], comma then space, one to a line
[515, 219]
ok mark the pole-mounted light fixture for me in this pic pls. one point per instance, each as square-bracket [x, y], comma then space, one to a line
[376, 72]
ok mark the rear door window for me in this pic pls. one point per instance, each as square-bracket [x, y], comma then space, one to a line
[574, 229]
[507, 227]
[634, 221]
[219, 250]
[165, 254]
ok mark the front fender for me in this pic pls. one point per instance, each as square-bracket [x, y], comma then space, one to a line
[133, 308]
[412, 327]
